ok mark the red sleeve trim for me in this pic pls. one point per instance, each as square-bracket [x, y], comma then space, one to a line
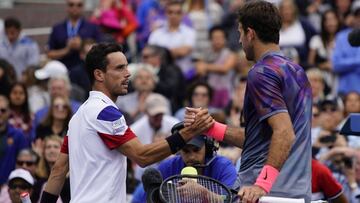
[115, 141]
[64, 147]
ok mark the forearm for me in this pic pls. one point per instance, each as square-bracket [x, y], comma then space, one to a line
[235, 136]
[58, 175]
[180, 51]
[58, 54]
[281, 142]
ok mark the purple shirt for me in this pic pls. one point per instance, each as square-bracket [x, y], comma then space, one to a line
[275, 85]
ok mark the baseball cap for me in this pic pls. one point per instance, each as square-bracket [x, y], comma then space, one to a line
[22, 174]
[51, 69]
[355, 8]
[197, 141]
[156, 104]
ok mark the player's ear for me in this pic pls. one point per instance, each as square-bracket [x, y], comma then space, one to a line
[99, 75]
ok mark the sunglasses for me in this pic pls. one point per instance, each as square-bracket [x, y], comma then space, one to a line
[27, 163]
[79, 5]
[21, 186]
[3, 110]
[170, 12]
[200, 94]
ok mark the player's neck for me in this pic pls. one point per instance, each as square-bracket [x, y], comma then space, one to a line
[260, 49]
[104, 91]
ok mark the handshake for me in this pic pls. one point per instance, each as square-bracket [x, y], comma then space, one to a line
[199, 121]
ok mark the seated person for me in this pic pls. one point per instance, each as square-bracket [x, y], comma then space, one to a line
[20, 181]
[198, 151]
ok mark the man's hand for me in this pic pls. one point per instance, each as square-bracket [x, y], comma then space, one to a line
[251, 193]
[200, 122]
[190, 114]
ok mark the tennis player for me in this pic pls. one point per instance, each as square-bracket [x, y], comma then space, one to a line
[99, 139]
[276, 157]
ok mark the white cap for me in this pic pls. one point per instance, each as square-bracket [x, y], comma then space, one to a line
[51, 69]
[156, 104]
[23, 174]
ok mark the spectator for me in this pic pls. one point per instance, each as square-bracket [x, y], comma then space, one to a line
[346, 59]
[177, 37]
[169, 74]
[51, 151]
[317, 84]
[203, 14]
[12, 140]
[19, 50]
[321, 48]
[343, 11]
[236, 104]
[20, 115]
[55, 122]
[20, 181]
[196, 151]
[199, 95]
[80, 70]
[295, 32]
[218, 65]
[143, 80]
[7, 77]
[66, 37]
[58, 86]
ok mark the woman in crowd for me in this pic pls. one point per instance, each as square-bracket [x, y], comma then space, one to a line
[20, 115]
[321, 47]
[51, 151]
[55, 123]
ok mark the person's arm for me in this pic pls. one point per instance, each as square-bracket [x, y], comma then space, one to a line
[340, 199]
[344, 57]
[223, 68]
[182, 51]
[58, 175]
[144, 155]
[58, 53]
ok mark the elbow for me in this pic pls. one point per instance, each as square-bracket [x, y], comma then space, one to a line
[142, 161]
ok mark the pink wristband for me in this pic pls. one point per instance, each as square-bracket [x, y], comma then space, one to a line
[217, 131]
[267, 177]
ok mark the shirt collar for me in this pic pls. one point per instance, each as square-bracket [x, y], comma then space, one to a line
[102, 96]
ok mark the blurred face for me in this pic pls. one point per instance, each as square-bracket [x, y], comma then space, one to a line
[116, 75]
[52, 150]
[16, 187]
[343, 5]
[144, 81]
[155, 121]
[12, 34]
[174, 14]
[149, 57]
[58, 88]
[331, 22]
[75, 8]
[245, 41]
[317, 86]
[60, 109]
[4, 112]
[200, 97]
[357, 165]
[17, 96]
[192, 155]
[218, 39]
[26, 161]
[327, 118]
[287, 11]
[352, 104]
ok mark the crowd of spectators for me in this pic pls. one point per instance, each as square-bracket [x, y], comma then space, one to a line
[187, 53]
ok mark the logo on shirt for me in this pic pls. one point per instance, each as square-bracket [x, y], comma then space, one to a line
[265, 177]
[119, 126]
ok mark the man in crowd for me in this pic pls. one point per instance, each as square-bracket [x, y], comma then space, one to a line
[198, 151]
[19, 50]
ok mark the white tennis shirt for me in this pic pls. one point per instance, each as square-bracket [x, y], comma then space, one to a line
[97, 169]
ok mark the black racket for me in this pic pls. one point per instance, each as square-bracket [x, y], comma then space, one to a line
[194, 189]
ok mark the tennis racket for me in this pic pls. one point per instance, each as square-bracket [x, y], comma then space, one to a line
[194, 189]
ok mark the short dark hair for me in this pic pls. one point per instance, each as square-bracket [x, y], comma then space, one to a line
[12, 22]
[263, 17]
[96, 58]
[216, 28]
[194, 85]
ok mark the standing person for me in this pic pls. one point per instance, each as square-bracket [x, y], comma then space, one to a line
[276, 156]
[99, 139]
[66, 37]
[19, 50]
